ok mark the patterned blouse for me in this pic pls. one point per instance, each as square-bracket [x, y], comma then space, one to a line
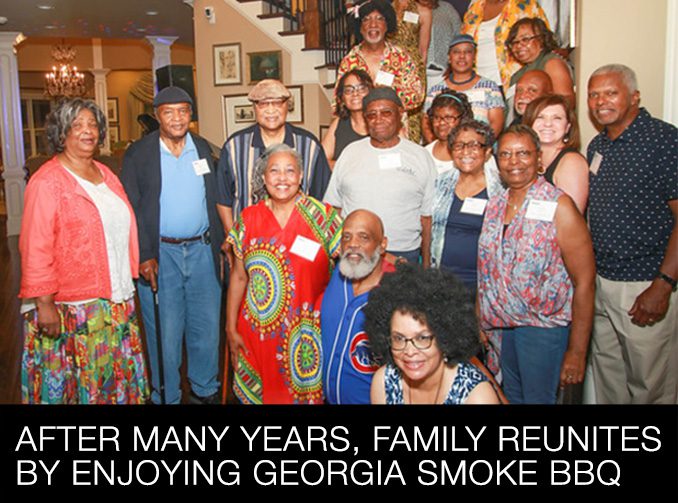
[483, 97]
[513, 11]
[467, 378]
[522, 280]
[396, 61]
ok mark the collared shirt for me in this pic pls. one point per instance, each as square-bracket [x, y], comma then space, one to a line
[183, 207]
[240, 153]
[629, 215]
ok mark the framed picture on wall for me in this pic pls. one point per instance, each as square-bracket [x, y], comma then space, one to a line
[323, 132]
[238, 113]
[227, 67]
[295, 106]
[114, 134]
[265, 65]
[112, 109]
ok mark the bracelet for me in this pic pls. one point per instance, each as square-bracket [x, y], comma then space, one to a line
[668, 279]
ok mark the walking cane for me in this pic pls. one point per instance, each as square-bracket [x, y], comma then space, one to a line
[158, 338]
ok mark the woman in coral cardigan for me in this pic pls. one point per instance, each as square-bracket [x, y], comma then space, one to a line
[79, 255]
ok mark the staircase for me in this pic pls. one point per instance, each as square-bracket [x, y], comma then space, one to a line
[311, 31]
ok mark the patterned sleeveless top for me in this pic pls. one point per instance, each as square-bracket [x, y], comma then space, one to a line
[467, 378]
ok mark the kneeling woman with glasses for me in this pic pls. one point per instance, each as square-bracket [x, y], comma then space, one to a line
[421, 323]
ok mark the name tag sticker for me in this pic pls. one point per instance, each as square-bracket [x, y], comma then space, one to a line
[384, 79]
[305, 248]
[411, 17]
[474, 95]
[200, 167]
[444, 168]
[541, 210]
[595, 163]
[390, 161]
[473, 206]
[511, 92]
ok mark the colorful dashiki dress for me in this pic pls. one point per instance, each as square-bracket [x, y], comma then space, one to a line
[288, 269]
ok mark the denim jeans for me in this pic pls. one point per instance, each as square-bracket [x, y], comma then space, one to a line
[530, 363]
[189, 296]
[410, 256]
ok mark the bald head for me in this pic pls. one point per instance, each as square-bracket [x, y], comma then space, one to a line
[363, 244]
[532, 85]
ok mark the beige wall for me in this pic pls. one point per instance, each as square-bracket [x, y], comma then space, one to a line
[119, 84]
[232, 27]
[630, 32]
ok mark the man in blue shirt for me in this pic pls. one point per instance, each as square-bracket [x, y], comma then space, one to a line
[633, 215]
[170, 180]
[348, 366]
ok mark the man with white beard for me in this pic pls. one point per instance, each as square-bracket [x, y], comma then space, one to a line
[347, 360]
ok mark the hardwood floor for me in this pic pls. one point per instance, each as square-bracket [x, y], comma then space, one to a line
[11, 339]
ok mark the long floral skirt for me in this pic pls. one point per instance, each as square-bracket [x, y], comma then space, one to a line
[97, 358]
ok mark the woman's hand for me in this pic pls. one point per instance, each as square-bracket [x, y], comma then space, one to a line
[49, 323]
[573, 367]
[235, 346]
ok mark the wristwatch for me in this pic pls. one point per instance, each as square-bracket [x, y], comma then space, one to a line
[668, 279]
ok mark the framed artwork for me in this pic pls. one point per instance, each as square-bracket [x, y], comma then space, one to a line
[295, 105]
[227, 68]
[323, 132]
[238, 113]
[265, 65]
[114, 134]
[112, 109]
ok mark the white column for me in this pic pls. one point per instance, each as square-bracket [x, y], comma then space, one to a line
[161, 53]
[101, 96]
[671, 77]
[11, 129]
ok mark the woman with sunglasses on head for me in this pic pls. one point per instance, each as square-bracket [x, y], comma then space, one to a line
[349, 124]
[421, 324]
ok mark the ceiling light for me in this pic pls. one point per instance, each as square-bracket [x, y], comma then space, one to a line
[3, 20]
[50, 27]
[141, 30]
[45, 7]
[151, 12]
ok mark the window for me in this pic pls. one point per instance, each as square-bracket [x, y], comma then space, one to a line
[34, 112]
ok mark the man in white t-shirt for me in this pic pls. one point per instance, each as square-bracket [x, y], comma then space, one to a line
[390, 176]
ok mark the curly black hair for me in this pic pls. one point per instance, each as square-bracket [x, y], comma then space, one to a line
[455, 99]
[433, 297]
[548, 39]
[384, 8]
[340, 109]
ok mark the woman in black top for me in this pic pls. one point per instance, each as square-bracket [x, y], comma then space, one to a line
[562, 164]
[349, 124]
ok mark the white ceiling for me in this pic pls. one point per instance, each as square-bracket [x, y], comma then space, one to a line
[99, 18]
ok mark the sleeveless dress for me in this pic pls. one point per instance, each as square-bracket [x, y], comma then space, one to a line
[467, 378]
[550, 171]
[343, 135]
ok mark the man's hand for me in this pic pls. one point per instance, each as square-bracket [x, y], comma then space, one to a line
[149, 271]
[651, 305]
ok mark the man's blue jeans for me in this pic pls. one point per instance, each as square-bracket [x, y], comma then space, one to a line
[530, 363]
[189, 296]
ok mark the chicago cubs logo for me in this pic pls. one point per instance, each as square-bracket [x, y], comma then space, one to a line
[361, 354]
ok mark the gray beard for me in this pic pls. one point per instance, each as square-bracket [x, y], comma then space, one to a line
[363, 268]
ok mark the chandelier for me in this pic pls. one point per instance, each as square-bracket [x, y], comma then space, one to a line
[65, 81]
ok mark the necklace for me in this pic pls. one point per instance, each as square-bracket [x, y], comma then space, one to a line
[435, 400]
[462, 82]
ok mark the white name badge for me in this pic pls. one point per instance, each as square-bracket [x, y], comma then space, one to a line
[510, 92]
[474, 95]
[200, 167]
[541, 210]
[384, 79]
[444, 168]
[305, 248]
[390, 161]
[595, 163]
[473, 206]
[411, 17]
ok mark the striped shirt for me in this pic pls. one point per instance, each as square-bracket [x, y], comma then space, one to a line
[240, 153]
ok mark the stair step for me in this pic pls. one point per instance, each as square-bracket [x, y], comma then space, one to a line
[248, 1]
[329, 86]
[313, 49]
[291, 32]
[329, 66]
[274, 15]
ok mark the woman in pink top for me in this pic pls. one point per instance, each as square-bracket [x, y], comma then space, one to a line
[535, 276]
[79, 255]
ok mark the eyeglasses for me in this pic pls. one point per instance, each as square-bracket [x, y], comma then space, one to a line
[276, 103]
[421, 342]
[472, 145]
[357, 89]
[520, 154]
[445, 118]
[520, 41]
[373, 114]
[376, 19]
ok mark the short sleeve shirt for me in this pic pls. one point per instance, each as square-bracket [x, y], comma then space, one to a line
[629, 215]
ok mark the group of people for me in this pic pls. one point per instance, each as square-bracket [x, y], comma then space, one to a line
[368, 268]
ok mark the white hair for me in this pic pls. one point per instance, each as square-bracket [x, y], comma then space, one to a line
[627, 75]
